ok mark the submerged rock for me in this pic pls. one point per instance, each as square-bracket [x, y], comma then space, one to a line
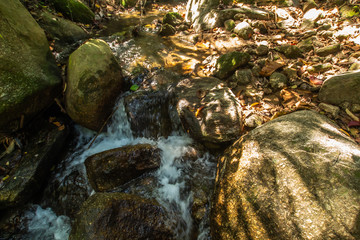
[75, 10]
[229, 62]
[29, 174]
[29, 77]
[341, 88]
[208, 110]
[122, 216]
[112, 168]
[94, 81]
[294, 177]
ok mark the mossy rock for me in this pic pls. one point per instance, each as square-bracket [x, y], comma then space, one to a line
[75, 10]
[29, 77]
[349, 11]
[172, 18]
[93, 85]
[128, 3]
[290, 51]
[229, 62]
[167, 30]
[229, 25]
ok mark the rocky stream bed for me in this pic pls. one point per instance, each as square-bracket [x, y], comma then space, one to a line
[179, 120]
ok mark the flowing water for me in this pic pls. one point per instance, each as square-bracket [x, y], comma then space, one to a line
[178, 181]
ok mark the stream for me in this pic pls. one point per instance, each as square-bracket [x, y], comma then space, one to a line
[175, 183]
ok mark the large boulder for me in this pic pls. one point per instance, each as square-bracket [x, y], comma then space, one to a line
[75, 10]
[341, 88]
[29, 77]
[94, 81]
[30, 169]
[112, 168]
[208, 110]
[297, 176]
[121, 216]
[61, 30]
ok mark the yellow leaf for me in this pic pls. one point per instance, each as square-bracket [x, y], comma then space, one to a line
[345, 132]
[355, 118]
[62, 127]
[6, 177]
[57, 124]
[97, 5]
[60, 14]
[254, 104]
[198, 110]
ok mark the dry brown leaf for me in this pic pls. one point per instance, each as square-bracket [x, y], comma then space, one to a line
[271, 67]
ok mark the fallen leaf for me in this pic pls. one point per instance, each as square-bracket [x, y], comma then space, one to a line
[342, 130]
[198, 110]
[134, 87]
[271, 67]
[56, 124]
[354, 124]
[62, 127]
[254, 104]
[6, 177]
[315, 81]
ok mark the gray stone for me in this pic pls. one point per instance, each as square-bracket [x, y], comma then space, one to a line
[290, 51]
[243, 76]
[253, 121]
[244, 30]
[255, 13]
[306, 45]
[208, 110]
[262, 50]
[226, 64]
[278, 80]
[29, 77]
[341, 88]
[94, 80]
[333, 110]
[75, 10]
[295, 176]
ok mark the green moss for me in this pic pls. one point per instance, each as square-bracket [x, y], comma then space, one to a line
[74, 10]
[128, 3]
[172, 18]
[229, 62]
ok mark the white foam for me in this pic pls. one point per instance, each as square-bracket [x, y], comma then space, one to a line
[43, 224]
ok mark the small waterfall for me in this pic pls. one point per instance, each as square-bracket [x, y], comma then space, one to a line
[173, 177]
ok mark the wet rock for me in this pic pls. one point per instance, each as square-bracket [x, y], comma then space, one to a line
[229, 62]
[67, 196]
[208, 110]
[244, 30]
[74, 10]
[278, 80]
[320, 68]
[147, 112]
[243, 76]
[229, 25]
[167, 30]
[279, 181]
[122, 216]
[61, 30]
[331, 109]
[112, 168]
[290, 51]
[325, 51]
[172, 18]
[341, 88]
[262, 50]
[253, 121]
[32, 169]
[29, 77]
[306, 45]
[94, 80]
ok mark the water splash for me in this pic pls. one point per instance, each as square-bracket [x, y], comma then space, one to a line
[43, 224]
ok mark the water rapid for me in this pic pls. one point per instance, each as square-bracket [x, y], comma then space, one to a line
[174, 178]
